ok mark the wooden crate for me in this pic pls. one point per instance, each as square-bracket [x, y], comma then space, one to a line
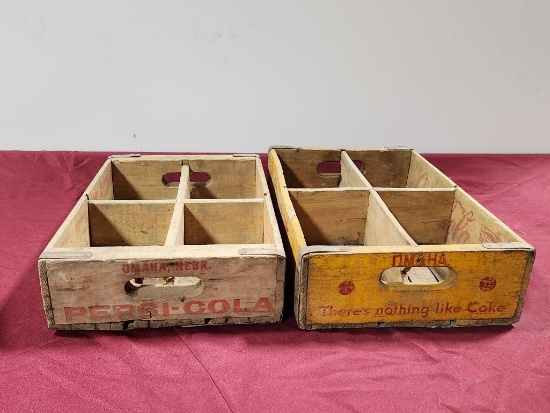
[159, 241]
[383, 238]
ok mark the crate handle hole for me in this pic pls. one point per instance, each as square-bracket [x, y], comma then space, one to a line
[199, 178]
[423, 276]
[155, 287]
[332, 168]
[171, 179]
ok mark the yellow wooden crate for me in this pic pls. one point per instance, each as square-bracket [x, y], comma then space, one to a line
[160, 241]
[383, 238]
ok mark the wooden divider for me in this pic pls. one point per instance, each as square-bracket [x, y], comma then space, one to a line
[176, 228]
[351, 176]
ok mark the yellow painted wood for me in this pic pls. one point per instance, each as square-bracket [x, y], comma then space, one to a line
[471, 296]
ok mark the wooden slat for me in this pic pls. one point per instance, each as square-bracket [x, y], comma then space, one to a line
[424, 214]
[183, 188]
[176, 228]
[291, 224]
[101, 186]
[261, 183]
[351, 175]
[116, 223]
[332, 217]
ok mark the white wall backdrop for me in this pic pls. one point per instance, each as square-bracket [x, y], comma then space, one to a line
[239, 76]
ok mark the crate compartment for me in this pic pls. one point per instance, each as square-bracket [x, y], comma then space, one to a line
[331, 217]
[384, 168]
[129, 223]
[444, 216]
[224, 222]
[219, 179]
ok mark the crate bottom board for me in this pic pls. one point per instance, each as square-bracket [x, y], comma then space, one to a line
[422, 324]
[137, 324]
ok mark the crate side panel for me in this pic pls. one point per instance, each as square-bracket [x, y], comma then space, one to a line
[471, 223]
[96, 291]
[75, 230]
[346, 288]
[101, 186]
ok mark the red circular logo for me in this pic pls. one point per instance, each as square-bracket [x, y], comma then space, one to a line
[346, 287]
[487, 284]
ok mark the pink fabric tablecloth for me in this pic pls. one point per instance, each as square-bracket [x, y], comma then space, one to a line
[266, 368]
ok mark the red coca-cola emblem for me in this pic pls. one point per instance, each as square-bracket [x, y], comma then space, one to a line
[487, 284]
[346, 287]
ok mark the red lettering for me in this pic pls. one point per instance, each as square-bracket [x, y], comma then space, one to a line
[203, 265]
[134, 268]
[123, 310]
[72, 312]
[162, 267]
[126, 268]
[397, 261]
[153, 267]
[99, 313]
[237, 306]
[263, 304]
[408, 261]
[195, 265]
[187, 265]
[442, 260]
[187, 307]
[145, 267]
[432, 259]
[224, 306]
[165, 309]
[147, 310]
[179, 266]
